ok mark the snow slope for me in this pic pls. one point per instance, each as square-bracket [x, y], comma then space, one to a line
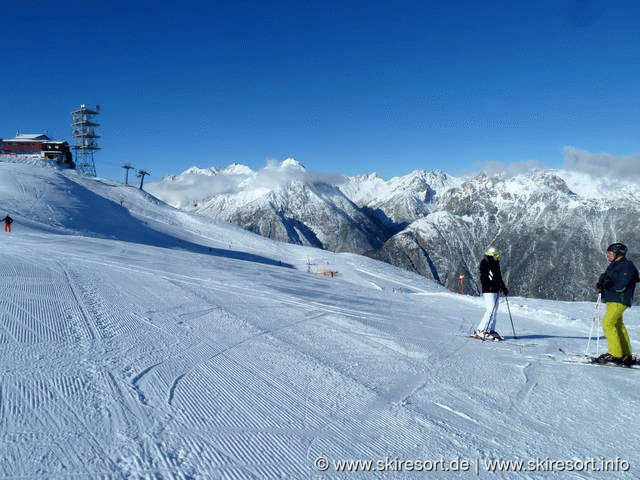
[139, 341]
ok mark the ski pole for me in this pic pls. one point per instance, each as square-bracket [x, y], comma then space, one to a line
[598, 312]
[510, 317]
[596, 317]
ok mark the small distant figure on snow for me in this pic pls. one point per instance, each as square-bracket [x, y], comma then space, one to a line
[7, 223]
[617, 285]
[492, 285]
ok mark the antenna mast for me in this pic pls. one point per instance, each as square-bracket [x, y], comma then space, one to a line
[84, 135]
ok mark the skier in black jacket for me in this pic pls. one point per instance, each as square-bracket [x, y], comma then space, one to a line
[492, 285]
[617, 285]
[7, 223]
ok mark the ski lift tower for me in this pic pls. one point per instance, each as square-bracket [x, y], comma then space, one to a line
[84, 138]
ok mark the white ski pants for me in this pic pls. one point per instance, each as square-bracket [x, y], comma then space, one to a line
[488, 322]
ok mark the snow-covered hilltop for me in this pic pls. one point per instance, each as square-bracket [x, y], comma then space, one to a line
[141, 341]
[282, 202]
[551, 226]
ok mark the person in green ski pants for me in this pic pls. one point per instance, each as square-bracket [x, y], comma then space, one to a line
[617, 285]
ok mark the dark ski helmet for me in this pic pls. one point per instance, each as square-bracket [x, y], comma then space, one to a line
[619, 249]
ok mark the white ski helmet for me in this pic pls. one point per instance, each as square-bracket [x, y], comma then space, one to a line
[492, 252]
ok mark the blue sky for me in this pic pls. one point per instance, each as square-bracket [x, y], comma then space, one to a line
[346, 87]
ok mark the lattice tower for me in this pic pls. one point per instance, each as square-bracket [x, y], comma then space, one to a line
[84, 138]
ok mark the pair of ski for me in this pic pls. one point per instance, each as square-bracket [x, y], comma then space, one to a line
[572, 358]
[493, 337]
[590, 360]
[500, 339]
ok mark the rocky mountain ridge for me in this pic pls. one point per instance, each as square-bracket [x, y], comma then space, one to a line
[551, 226]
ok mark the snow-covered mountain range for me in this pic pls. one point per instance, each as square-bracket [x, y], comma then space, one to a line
[551, 226]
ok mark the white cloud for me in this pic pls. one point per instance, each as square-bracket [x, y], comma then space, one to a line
[624, 167]
[279, 174]
[184, 190]
[196, 185]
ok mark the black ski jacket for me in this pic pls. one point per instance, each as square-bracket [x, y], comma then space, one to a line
[618, 282]
[490, 276]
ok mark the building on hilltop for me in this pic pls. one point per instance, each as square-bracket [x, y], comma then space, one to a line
[39, 146]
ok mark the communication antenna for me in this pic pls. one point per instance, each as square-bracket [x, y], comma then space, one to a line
[84, 138]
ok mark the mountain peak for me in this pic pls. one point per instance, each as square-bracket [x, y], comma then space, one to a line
[290, 164]
[237, 169]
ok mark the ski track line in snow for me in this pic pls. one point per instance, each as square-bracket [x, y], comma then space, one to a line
[93, 441]
[140, 450]
[319, 424]
[218, 350]
[98, 328]
[54, 305]
[446, 359]
[221, 350]
[32, 305]
[281, 298]
[289, 325]
[48, 401]
[245, 411]
[456, 412]
[288, 300]
[386, 341]
[379, 338]
[417, 291]
[200, 364]
[389, 280]
[88, 321]
[209, 283]
[186, 378]
[206, 282]
[483, 432]
[477, 429]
